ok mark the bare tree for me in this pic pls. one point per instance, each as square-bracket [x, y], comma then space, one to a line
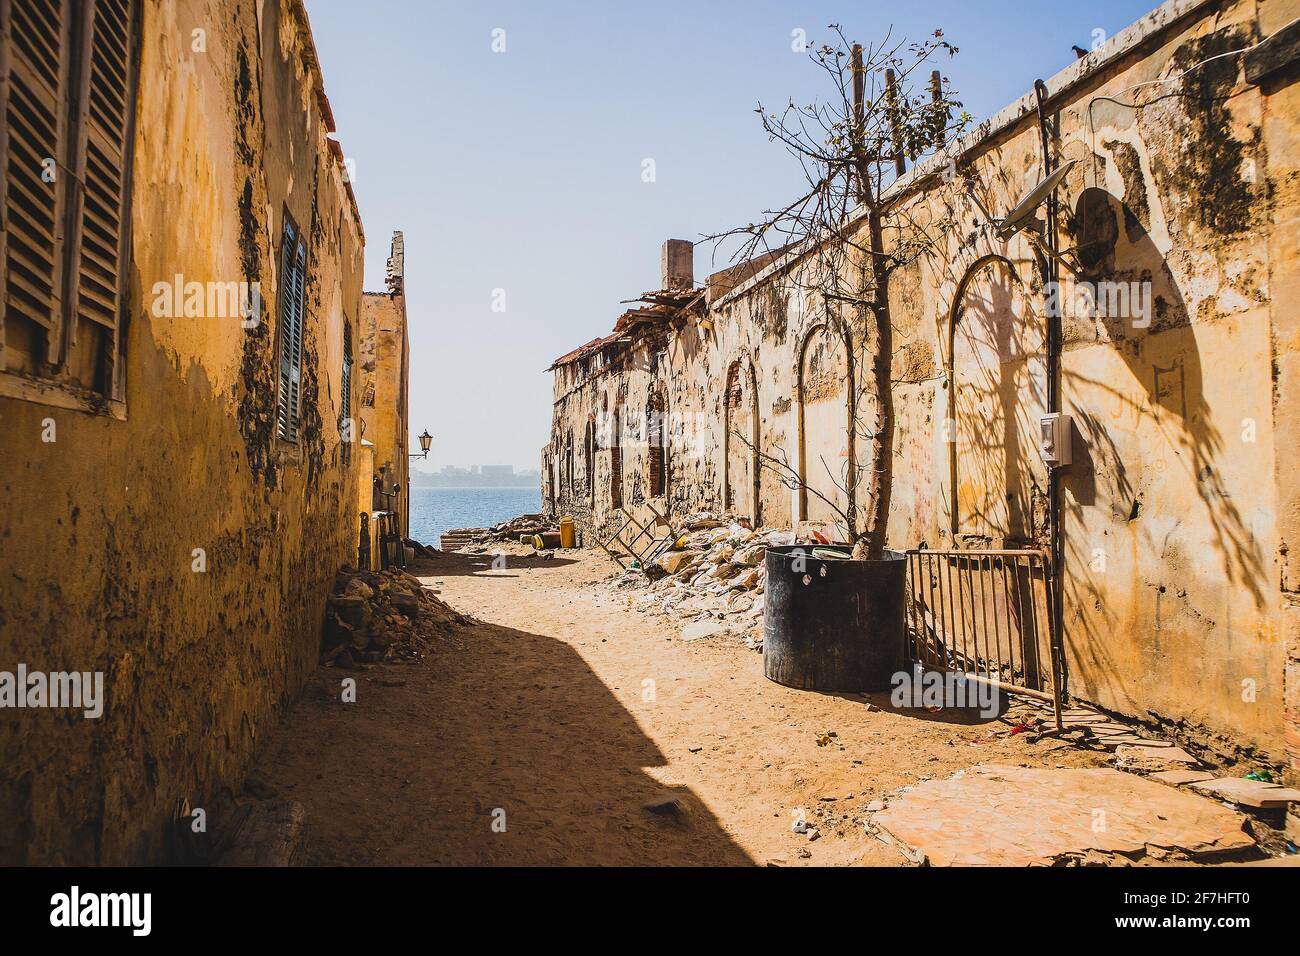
[851, 145]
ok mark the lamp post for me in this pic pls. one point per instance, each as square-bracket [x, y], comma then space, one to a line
[425, 441]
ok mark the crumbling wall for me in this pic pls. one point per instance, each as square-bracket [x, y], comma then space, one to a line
[384, 361]
[186, 551]
[1179, 508]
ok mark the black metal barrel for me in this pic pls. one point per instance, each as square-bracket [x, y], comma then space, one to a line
[833, 625]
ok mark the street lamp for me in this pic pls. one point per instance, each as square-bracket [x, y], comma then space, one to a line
[425, 441]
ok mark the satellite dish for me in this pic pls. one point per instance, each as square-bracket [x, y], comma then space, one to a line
[1018, 218]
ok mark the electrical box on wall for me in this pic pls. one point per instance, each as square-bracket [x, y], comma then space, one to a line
[1056, 437]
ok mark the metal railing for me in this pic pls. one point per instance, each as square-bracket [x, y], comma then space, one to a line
[986, 614]
[642, 539]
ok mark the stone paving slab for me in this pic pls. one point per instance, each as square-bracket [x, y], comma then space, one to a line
[997, 815]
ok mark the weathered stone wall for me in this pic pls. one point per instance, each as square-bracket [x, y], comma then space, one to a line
[1179, 505]
[98, 529]
[385, 357]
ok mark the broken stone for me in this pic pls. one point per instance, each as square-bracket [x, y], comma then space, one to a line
[1017, 816]
[676, 561]
[1249, 793]
[408, 604]
[670, 808]
[1178, 778]
[702, 629]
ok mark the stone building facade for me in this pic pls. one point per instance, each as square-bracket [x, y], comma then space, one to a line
[178, 492]
[1181, 506]
[385, 385]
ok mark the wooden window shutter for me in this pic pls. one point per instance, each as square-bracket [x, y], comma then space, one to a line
[35, 68]
[293, 281]
[345, 403]
[347, 381]
[96, 285]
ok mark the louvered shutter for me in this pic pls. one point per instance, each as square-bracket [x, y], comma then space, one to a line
[299, 282]
[37, 38]
[98, 276]
[293, 280]
[285, 397]
[346, 403]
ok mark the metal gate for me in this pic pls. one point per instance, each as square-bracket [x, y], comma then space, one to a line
[986, 614]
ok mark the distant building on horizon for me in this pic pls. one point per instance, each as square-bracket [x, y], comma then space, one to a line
[476, 476]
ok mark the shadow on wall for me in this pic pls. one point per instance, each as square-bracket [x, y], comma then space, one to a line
[1164, 397]
[185, 702]
[998, 380]
[824, 391]
[519, 730]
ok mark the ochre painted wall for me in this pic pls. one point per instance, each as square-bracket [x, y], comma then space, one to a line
[385, 354]
[98, 528]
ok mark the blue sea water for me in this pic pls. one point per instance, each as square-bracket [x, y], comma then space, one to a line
[435, 510]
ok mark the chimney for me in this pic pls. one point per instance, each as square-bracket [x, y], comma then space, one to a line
[677, 264]
[396, 265]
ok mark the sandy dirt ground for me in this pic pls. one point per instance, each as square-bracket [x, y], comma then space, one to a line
[554, 732]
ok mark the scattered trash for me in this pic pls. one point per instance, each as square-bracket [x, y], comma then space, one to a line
[1027, 726]
[521, 529]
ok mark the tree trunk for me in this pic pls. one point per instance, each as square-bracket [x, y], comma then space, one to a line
[882, 442]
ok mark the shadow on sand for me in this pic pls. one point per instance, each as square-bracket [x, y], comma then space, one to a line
[502, 748]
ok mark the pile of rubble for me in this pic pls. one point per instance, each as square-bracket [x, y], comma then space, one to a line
[382, 616]
[512, 530]
[714, 581]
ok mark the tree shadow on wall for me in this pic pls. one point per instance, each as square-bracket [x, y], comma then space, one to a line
[1166, 390]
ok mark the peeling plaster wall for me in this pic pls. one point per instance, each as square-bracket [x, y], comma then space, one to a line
[97, 529]
[385, 354]
[1182, 500]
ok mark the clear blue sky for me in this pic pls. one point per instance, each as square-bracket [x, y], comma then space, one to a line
[522, 170]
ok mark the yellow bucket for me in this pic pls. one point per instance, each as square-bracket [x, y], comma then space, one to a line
[567, 537]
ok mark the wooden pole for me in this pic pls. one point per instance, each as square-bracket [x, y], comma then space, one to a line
[891, 105]
[859, 121]
[941, 117]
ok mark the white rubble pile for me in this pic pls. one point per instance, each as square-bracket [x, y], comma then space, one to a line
[714, 585]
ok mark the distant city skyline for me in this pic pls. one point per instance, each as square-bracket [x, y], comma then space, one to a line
[476, 476]
[475, 469]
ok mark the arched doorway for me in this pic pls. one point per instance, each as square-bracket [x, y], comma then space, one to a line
[657, 445]
[827, 472]
[997, 378]
[589, 458]
[741, 441]
[616, 460]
